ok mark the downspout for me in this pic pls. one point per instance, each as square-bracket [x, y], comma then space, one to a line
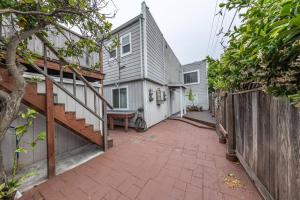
[145, 68]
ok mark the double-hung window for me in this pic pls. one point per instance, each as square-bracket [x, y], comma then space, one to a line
[120, 98]
[112, 52]
[125, 44]
[191, 77]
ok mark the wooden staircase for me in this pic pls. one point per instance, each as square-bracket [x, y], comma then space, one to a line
[65, 118]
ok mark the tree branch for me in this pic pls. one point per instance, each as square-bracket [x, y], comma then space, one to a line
[12, 103]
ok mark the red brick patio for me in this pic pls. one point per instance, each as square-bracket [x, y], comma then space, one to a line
[171, 161]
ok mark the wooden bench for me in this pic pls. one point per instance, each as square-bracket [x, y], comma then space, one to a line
[111, 115]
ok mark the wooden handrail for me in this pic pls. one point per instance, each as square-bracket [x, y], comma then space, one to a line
[66, 91]
[65, 62]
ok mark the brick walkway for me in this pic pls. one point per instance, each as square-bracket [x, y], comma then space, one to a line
[171, 161]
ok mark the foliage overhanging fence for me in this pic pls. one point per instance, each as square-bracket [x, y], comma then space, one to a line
[264, 133]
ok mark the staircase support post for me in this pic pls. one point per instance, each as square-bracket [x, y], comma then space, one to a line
[105, 145]
[50, 129]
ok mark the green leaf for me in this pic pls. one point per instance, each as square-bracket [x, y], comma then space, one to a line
[41, 136]
[21, 150]
[296, 20]
[2, 186]
[21, 130]
[33, 144]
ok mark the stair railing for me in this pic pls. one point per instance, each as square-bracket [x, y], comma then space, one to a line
[76, 76]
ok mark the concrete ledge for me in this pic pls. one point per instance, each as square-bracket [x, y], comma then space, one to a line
[196, 124]
[201, 121]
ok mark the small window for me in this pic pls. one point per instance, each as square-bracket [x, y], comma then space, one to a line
[112, 52]
[120, 98]
[191, 77]
[126, 44]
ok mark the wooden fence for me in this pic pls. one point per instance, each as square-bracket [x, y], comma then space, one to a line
[264, 133]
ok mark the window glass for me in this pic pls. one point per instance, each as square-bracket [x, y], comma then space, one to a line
[125, 40]
[123, 98]
[113, 54]
[126, 48]
[120, 98]
[191, 77]
[126, 44]
[116, 98]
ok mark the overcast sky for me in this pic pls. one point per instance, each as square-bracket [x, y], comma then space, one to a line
[185, 24]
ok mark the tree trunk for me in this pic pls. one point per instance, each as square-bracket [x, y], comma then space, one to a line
[10, 103]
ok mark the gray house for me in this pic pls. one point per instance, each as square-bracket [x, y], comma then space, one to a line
[143, 71]
[195, 79]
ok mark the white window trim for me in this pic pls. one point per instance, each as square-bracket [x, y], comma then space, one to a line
[198, 73]
[112, 97]
[121, 49]
[109, 58]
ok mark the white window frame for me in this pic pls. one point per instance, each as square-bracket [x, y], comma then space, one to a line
[130, 43]
[188, 72]
[116, 48]
[112, 97]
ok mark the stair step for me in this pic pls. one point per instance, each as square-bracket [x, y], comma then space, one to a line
[89, 125]
[70, 112]
[81, 120]
[59, 104]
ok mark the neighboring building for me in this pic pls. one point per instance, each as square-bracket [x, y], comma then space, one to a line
[143, 71]
[195, 79]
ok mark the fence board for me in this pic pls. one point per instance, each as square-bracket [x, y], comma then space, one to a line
[267, 142]
[294, 155]
[273, 147]
[282, 151]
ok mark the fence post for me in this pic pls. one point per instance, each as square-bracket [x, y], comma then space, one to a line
[230, 155]
[220, 116]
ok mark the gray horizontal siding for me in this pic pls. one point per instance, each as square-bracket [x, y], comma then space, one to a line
[201, 89]
[172, 66]
[58, 41]
[155, 52]
[132, 62]
[135, 97]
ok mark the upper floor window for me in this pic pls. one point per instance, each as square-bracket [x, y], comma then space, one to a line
[112, 51]
[191, 77]
[126, 44]
[120, 98]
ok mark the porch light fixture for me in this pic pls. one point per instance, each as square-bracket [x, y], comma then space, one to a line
[151, 95]
[159, 99]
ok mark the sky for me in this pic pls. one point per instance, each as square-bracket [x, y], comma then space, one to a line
[186, 25]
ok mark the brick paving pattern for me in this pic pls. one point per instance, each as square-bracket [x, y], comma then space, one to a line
[171, 161]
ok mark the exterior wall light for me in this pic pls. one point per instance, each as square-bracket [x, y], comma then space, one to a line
[151, 95]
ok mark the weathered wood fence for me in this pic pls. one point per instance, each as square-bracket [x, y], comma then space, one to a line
[264, 133]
